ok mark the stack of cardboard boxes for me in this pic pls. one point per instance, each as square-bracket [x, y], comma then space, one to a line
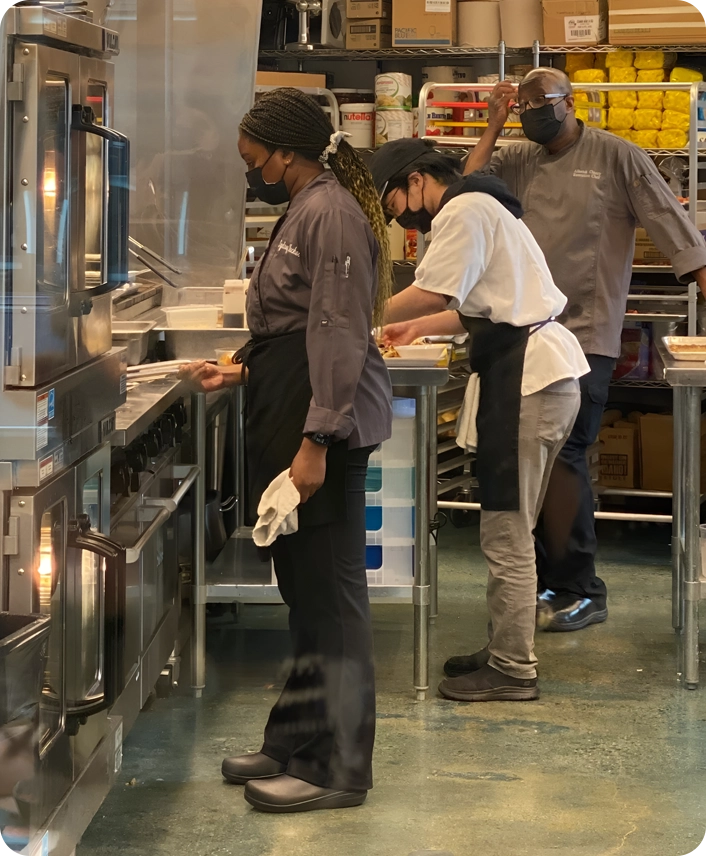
[379, 24]
[637, 451]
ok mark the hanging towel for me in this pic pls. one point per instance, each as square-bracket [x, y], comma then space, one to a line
[277, 511]
[466, 431]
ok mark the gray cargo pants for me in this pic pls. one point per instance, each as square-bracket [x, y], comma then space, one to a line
[546, 420]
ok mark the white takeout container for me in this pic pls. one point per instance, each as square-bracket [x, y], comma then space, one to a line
[430, 353]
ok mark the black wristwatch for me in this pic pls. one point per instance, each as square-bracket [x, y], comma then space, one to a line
[322, 439]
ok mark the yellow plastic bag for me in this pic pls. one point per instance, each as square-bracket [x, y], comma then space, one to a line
[583, 98]
[623, 75]
[626, 99]
[671, 120]
[645, 139]
[578, 62]
[685, 75]
[594, 117]
[626, 135]
[619, 59]
[656, 75]
[647, 120]
[654, 59]
[672, 139]
[590, 75]
[679, 101]
[620, 119]
[650, 100]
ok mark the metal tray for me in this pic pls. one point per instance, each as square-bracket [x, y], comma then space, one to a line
[688, 348]
[135, 336]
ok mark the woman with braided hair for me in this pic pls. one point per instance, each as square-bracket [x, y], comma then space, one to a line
[318, 402]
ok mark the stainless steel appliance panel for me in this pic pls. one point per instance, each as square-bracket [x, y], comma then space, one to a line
[42, 336]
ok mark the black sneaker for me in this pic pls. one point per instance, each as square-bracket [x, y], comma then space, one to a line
[454, 667]
[488, 684]
[581, 613]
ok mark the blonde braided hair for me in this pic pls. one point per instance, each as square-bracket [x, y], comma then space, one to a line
[290, 120]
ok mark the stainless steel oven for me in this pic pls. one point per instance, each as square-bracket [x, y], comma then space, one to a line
[69, 191]
[62, 564]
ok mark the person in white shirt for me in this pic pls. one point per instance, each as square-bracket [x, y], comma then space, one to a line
[484, 274]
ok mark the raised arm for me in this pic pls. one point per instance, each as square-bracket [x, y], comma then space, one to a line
[499, 103]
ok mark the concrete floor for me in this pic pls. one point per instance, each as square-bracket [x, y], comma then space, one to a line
[611, 760]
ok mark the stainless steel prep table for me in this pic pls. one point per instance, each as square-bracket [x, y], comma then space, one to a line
[687, 380]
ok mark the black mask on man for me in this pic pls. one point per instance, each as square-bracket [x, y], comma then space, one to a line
[541, 125]
[271, 194]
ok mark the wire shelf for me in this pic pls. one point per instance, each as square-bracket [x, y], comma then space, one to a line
[640, 384]
[390, 53]
[564, 49]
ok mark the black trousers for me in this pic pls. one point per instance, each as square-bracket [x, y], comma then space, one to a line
[565, 539]
[323, 725]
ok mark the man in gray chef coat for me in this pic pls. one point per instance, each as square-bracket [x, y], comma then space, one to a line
[583, 192]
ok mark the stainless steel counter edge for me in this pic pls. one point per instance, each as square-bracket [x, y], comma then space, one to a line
[144, 404]
[417, 377]
[681, 372]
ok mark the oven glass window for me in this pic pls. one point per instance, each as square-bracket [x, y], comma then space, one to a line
[52, 252]
[95, 190]
[49, 586]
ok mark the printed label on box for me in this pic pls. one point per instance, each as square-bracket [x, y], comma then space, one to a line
[579, 29]
[46, 468]
[438, 6]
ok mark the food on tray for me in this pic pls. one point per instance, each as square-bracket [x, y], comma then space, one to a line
[676, 348]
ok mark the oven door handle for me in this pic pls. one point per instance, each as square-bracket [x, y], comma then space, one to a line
[80, 537]
[166, 507]
[118, 195]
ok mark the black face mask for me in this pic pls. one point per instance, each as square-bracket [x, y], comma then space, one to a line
[271, 194]
[541, 125]
[419, 220]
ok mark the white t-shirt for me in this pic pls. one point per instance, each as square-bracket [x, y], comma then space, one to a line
[488, 263]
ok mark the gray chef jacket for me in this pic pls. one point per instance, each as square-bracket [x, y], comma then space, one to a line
[582, 206]
[319, 274]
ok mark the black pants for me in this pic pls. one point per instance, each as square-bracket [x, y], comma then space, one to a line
[323, 725]
[566, 536]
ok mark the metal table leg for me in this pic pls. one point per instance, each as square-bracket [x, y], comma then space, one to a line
[678, 511]
[198, 540]
[691, 473]
[433, 504]
[421, 591]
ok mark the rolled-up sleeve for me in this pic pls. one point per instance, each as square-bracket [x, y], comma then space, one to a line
[342, 269]
[661, 215]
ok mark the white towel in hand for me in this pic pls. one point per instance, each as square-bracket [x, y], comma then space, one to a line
[277, 511]
[466, 431]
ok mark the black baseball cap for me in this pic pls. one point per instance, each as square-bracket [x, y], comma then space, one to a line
[394, 158]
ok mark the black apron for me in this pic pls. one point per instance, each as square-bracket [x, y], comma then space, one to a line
[497, 354]
[278, 399]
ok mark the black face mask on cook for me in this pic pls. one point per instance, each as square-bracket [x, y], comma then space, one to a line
[271, 194]
[419, 220]
[541, 125]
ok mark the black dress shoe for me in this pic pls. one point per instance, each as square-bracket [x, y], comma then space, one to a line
[581, 613]
[285, 795]
[245, 768]
[488, 684]
[454, 667]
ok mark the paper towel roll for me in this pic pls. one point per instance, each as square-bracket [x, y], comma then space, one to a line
[479, 23]
[521, 22]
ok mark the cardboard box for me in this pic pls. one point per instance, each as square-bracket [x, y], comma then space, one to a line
[655, 22]
[656, 451]
[371, 35]
[646, 253]
[282, 78]
[424, 23]
[369, 9]
[619, 458]
[575, 22]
